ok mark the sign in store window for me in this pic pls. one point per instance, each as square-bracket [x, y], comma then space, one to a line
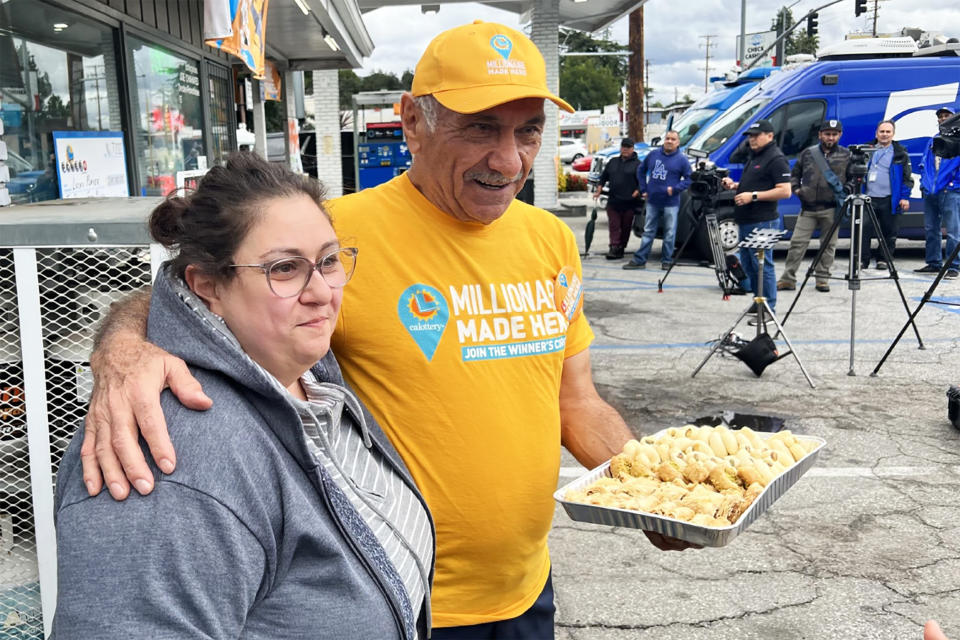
[90, 164]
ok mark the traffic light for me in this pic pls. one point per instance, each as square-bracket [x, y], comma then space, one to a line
[812, 24]
[860, 7]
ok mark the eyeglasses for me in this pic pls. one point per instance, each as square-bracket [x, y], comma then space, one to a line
[288, 277]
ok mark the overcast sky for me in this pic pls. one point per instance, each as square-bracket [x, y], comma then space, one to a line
[673, 43]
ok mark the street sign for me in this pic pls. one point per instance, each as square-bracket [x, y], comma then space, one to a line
[756, 43]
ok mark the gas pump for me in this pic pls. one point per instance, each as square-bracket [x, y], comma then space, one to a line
[383, 154]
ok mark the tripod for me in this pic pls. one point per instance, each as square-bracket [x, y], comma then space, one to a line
[759, 240]
[926, 298]
[707, 212]
[857, 206]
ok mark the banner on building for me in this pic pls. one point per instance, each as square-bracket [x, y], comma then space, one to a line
[90, 164]
[271, 83]
[237, 27]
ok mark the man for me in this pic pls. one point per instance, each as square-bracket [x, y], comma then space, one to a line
[821, 196]
[940, 187]
[621, 174]
[889, 182]
[662, 176]
[461, 332]
[765, 180]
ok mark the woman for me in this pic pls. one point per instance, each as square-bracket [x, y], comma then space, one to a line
[289, 515]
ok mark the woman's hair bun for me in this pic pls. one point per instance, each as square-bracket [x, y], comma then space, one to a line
[166, 221]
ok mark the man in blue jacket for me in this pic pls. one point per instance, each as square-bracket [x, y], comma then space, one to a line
[889, 182]
[940, 187]
[662, 175]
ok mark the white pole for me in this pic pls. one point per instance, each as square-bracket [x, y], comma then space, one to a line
[38, 433]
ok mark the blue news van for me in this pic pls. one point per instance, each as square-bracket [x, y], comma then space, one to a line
[851, 82]
[714, 103]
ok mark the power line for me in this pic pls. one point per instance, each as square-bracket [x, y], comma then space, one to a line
[706, 68]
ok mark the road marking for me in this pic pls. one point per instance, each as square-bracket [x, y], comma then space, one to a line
[827, 472]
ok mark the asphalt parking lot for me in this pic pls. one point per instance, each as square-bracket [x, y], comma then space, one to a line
[866, 545]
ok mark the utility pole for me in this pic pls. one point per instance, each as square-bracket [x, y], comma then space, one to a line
[706, 69]
[876, 12]
[635, 119]
[743, 33]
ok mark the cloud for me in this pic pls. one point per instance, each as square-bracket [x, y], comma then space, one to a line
[671, 31]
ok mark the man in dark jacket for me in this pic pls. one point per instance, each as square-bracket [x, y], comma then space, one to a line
[940, 187]
[820, 201]
[662, 175]
[621, 174]
[765, 180]
[889, 181]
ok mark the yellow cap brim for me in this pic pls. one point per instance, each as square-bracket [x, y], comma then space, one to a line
[481, 98]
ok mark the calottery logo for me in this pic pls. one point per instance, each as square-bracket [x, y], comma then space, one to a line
[502, 45]
[504, 65]
[424, 313]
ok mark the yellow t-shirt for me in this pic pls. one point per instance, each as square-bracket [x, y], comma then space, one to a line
[449, 332]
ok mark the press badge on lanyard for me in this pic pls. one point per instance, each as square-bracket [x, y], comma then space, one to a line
[568, 293]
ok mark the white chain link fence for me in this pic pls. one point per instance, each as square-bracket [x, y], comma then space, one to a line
[74, 289]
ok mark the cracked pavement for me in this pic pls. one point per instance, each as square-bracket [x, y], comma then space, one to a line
[866, 545]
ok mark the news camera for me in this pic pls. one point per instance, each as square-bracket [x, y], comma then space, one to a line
[706, 179]
[860, 160]
[947, 144]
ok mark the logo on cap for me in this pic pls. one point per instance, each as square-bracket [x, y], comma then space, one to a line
[832, 123]
[502, 45]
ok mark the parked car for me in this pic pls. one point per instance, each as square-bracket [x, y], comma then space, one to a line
[600, 159]
[23, 178]
[582, 164]
[571, 149]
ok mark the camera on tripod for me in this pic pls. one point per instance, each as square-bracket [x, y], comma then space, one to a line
[860, 160]
[947, 144]
[707, 178]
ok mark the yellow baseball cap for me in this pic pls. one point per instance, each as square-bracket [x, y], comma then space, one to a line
[480, 66]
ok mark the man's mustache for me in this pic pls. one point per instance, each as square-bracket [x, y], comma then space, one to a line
[493, 177]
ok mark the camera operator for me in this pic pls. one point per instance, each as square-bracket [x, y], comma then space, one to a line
[818, 181]
[940, 187]
[889, 182]
[621, 173]
[765, 180]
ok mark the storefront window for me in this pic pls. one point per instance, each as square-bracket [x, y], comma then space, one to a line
[168, 124]
[221, 104]
[57, 73]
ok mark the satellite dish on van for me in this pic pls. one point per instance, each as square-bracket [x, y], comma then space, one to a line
[869, 48]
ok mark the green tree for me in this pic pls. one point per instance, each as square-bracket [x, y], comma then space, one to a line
[590, 82]
[380, 81]
[55, 108]
[798, 41]
[349, 85]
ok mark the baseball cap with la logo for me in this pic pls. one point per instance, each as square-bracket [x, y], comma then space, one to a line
[482, 65]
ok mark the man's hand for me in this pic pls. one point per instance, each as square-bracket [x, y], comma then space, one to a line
[129, 375]
[742, 198]
[931, 631]
[728, 183]
[669, 544]
[904, 205]
[596, 194]
[669, 191]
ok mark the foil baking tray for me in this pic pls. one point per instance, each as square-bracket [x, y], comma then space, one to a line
[696, 534]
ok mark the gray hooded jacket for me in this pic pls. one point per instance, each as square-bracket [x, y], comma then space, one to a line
[248, 538]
